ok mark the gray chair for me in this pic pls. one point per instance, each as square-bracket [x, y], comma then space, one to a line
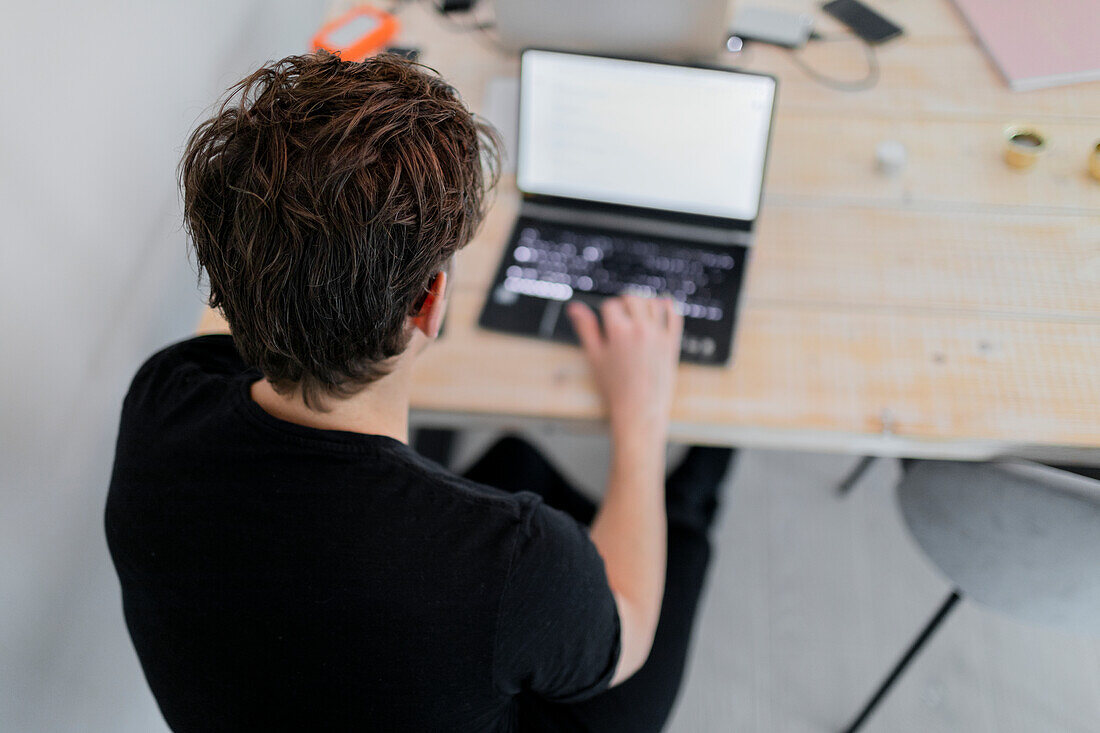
[1019, 538]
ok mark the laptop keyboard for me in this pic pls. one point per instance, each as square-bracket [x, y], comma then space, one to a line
[555, 263]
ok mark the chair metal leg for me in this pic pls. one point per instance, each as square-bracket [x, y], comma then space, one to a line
[914, 648]
[856, 474]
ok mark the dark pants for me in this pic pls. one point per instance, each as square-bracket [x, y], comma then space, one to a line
[643, 702]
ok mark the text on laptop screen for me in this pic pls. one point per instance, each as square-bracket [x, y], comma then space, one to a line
[641, 134]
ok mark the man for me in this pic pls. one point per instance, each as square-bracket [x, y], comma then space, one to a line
[287, 561]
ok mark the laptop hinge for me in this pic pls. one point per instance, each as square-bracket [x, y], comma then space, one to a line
[632, 223]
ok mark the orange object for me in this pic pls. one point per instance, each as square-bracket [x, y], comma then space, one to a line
[384, 28]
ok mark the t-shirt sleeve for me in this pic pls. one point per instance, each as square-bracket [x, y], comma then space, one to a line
[558, 627]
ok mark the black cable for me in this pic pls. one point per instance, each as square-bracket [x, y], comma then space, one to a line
[841, 85]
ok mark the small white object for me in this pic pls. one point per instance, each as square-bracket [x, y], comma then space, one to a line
[890, 157]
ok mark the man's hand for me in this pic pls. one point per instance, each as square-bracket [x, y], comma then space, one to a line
[634, 359]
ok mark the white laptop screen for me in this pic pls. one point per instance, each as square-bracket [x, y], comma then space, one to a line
[673, 138]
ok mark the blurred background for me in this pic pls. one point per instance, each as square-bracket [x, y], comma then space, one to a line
[811, 598]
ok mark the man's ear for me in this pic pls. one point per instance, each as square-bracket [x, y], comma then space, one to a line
[429, 318]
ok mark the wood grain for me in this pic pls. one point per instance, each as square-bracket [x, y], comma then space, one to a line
[951, 164]
[921, 78]
[930, 377]
[839, 256]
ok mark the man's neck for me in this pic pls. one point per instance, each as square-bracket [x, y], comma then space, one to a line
[380, 409]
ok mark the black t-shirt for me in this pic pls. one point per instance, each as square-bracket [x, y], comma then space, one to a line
[276, 576]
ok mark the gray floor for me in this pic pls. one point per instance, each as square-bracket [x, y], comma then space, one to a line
[813, 598]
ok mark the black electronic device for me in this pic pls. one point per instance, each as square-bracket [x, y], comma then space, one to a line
[454, 6]
[546, 260]
[864, 22]
[633, 183]
[412, 53]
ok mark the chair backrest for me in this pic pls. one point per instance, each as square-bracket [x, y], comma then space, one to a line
[1018, 537]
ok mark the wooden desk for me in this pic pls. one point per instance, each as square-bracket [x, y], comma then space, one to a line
[950, 311]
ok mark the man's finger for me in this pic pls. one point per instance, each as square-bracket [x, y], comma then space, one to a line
[675, 320]
[585, 324]
[636, 307]
[614, 315]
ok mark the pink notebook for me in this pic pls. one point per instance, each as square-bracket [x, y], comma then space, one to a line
[1038, 43]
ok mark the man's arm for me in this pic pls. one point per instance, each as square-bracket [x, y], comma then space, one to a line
[634, 364]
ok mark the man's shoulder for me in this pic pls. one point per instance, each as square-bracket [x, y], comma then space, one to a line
[212, 354]
[537, 526]
[169, 375]
[516, 506]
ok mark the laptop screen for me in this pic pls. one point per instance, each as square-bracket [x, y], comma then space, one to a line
[674, 138]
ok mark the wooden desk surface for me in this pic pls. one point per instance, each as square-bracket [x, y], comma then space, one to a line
[950, 311]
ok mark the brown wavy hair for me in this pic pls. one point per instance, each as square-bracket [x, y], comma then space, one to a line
[321, 199]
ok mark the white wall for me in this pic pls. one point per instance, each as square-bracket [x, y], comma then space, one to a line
[96, 101]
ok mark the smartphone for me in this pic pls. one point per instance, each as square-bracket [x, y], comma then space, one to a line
[866, 23]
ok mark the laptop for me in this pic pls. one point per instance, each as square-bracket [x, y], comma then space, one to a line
[636, 177]
[682, 29]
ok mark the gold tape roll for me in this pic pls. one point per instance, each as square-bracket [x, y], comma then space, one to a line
[1023, 146]
[1094, 161]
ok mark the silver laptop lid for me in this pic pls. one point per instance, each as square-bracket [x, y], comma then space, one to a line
[644, 135]
[687, 29]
